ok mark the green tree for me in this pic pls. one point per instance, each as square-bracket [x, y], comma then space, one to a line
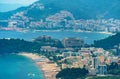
[72, 73]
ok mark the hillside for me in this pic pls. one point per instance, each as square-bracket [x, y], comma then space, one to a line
[7, 15]
[85, 9]
[84, 15]
[109, 42]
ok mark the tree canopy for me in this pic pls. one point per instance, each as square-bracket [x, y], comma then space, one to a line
[72, 73]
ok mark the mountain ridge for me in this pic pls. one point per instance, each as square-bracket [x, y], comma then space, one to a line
[84, 9]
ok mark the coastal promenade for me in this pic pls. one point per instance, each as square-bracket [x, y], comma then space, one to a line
[49, 69]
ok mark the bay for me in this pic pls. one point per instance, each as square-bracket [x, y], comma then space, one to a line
[88, 37]
[18, 67]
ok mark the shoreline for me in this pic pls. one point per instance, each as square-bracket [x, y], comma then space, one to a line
[49, 69]
[27, 30]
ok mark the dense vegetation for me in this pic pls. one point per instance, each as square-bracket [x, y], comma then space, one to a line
[72, 73]
[113, 69]
[109, 42]
[18, 45]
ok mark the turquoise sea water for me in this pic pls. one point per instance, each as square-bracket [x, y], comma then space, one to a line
[18, 67]
[89, 37]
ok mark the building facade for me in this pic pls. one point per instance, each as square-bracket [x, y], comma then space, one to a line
[72, 42]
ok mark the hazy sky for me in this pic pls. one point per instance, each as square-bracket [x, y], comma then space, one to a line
[24, 2]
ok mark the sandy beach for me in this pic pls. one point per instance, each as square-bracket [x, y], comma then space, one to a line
[49, 69]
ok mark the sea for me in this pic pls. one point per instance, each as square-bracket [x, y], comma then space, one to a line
[88, 37]
[18, 67]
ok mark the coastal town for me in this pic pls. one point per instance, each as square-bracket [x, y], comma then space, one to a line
[67, 56]
[62, 20]
[52, 60]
